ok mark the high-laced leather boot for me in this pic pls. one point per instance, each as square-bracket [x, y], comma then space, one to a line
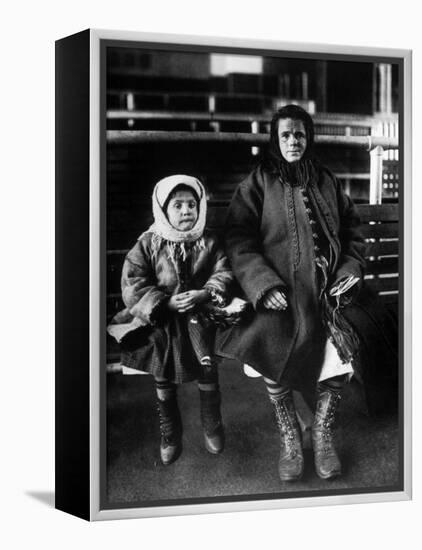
[170, 428]
[327, 462]
[290, 465]
[212, 423]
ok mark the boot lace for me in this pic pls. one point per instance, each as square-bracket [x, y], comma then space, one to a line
[328, 422]
[167, 424]
[285, 424]
[210, 411]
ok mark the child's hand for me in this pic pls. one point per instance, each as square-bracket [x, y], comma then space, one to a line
[186, 301]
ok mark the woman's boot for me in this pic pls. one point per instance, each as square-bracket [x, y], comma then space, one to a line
[212, 423]
[327, 462]
[170, 422]
[290, 465]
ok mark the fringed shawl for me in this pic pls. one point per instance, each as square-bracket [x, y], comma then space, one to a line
[338, 329]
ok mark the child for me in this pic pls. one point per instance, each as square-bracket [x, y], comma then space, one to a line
[172, 274]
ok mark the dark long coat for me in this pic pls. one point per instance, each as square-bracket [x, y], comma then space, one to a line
[265, 246]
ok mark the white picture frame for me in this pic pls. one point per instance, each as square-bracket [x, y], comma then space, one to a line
[81, 58]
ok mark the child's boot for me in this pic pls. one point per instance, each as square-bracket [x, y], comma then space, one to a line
[291, 463]
[327, 462]
[170, 422]
[212, 422]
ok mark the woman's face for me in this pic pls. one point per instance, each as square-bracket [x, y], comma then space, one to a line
[291, 139]
[182, 211]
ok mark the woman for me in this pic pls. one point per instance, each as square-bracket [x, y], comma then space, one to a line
[293, 241]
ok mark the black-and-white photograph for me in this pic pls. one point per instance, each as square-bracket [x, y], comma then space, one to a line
[252, 236]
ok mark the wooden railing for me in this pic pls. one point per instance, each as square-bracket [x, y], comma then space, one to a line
[149, 136]
[200, 112]
[375, 145]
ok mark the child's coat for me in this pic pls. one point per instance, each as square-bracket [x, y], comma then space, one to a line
[164, 262]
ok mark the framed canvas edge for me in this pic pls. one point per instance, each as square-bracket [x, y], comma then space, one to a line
[247, 506]
[245, 43]
[96, 513]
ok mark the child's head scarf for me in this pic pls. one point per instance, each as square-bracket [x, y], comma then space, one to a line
[178, 242]
[162, 227]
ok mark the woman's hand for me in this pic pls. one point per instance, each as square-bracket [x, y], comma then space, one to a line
[275, 299]
[186, 301]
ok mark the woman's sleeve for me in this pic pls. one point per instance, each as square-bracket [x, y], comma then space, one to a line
[221, 278]
[352, 258]
[244, 242]
[139, 291]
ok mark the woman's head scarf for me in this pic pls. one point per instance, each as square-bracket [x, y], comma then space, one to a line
[299, 172]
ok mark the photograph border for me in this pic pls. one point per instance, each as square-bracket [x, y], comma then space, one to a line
[97, 268]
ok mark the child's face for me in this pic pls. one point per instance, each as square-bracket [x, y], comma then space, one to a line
[182, 211]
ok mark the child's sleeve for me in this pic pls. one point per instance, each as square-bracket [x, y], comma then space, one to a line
[221, 278]
[143, 298]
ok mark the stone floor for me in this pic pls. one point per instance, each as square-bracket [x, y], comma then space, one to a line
[369, 447]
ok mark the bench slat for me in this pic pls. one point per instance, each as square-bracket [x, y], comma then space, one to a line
[386, 284]
[375, 267]
[384, 266]
[389, 299]
[378, 212]
[217, 215]
[382, 248]
[380, 230]
[378, 248]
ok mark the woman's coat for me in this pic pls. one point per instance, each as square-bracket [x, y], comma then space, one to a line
[263, 243]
